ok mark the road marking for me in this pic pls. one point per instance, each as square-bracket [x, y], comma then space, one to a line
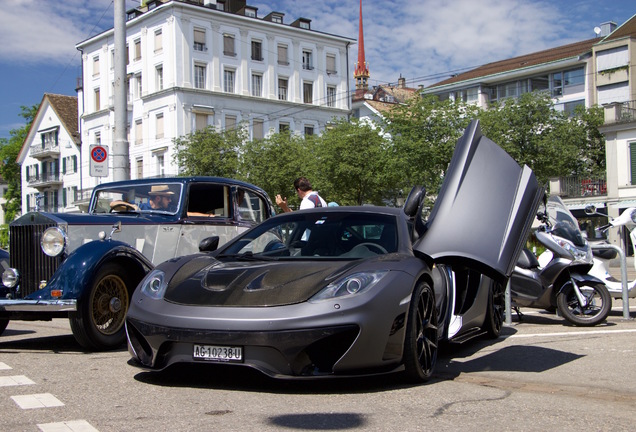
[572, 333]
[68, 426]
[4, 366]
[15, 380]
[42, 400]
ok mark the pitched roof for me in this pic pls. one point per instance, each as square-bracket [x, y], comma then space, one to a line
[533, 59]
[626, 30]
[66, 109]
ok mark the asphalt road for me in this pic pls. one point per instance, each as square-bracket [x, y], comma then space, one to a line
[540, 375]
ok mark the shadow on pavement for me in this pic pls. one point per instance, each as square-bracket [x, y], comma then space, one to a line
[54, 344]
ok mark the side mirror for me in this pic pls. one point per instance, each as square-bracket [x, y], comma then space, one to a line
[414, 200]
[590, 209]
[209, 244]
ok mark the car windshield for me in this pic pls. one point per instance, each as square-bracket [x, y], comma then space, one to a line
[161, 198]
[319, 235]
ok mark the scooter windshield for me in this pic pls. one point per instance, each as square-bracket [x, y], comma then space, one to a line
[564, 224]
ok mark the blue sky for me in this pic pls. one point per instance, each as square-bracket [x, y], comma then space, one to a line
[423, 41]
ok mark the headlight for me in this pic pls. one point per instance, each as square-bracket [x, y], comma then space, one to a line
[154, 285]
[350, 285]
[53, 241]
[577, 254]
[10, 277]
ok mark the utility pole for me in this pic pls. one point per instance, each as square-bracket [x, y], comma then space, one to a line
[120, 143]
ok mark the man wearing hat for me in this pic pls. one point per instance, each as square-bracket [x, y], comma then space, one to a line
[160, 199]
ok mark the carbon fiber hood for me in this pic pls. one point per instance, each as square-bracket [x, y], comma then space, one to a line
[250, 283]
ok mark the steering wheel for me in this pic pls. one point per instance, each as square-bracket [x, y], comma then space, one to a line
[122, 206]
[370, 246]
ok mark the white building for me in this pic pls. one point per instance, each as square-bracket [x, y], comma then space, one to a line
[49, 158]
[193, 64]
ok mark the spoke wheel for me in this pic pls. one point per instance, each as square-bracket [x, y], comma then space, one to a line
[421, 342]
[598, 306]
[98, 323]
[495, 312]
[107, 299]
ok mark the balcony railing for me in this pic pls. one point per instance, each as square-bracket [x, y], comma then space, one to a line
[578, 187]
[620, 112]
[44, 150]
[44, 180]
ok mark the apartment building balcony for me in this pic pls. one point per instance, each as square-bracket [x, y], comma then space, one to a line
[46, 150]
[45, 180]
[620, 112]
[578, 187]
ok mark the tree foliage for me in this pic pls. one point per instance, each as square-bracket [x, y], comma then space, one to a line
[355, 162]
[424, 133]
[273, 164]
[208, 152]
[352, 166]
[10, 170]
[550, 142]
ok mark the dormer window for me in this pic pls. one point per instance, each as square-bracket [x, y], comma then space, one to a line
[278, 19]
[250, 12]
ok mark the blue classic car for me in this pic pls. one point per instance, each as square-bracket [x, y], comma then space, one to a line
[85, 266]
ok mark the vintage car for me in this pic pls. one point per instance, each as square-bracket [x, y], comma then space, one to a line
[85, 266]
[347, 290]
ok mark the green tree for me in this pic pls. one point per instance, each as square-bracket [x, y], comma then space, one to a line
[208, 152]
[424, 132]
[10, 170]
[352, 165]
[275, 162]
[548, 141]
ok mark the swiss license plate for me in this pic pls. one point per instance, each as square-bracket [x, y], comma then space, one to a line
[218, 353]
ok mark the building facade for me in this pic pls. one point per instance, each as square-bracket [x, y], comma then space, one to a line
[50, 157]
[199, 63]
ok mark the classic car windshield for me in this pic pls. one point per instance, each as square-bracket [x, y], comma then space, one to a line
[319, 235]
[156, 197]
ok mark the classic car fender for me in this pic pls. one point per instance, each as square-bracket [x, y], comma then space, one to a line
[76, 273]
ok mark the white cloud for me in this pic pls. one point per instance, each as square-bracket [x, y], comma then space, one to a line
[35, 31]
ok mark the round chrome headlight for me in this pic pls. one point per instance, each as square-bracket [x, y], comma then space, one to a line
[10, 277]
[53, 241]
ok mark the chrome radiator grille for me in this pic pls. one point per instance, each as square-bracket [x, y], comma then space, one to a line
[27, 257]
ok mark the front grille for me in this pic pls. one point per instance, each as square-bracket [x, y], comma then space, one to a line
[25, 255]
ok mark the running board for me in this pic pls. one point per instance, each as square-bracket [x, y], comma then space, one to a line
[470, 334]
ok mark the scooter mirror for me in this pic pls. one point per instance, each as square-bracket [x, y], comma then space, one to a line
[633, 216]
[590, 209]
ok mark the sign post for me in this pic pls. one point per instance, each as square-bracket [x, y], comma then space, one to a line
[98, 160]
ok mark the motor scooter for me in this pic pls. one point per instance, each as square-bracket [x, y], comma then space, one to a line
[561, 281]
[602, 257]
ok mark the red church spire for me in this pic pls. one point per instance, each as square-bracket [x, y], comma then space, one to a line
[361, 73]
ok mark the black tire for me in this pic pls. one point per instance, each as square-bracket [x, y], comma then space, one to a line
[98, 323]
[495, 311]
[599, 306]
[3, 325]
[421, 342]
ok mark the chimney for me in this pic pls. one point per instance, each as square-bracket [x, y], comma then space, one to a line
[401, 82]
[607, 28]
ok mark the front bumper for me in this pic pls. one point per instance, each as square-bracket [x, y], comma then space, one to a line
[306, 352]
[49, 306]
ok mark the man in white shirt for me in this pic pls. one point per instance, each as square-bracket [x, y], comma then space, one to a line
[309, 198]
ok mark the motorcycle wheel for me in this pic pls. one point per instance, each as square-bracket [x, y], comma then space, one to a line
[598, 308]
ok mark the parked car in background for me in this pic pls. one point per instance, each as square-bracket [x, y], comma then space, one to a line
[341, 291]
[87, 265]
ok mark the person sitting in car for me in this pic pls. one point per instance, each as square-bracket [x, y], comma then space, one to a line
[160, 199]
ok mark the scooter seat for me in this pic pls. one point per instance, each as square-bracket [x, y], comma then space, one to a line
[527, 260]
[605, 253]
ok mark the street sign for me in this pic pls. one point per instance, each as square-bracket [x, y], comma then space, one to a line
[98, 160]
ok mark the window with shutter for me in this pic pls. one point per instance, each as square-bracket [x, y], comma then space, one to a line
[632, 160]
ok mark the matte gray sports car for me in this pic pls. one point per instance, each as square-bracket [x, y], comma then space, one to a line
[347, 290]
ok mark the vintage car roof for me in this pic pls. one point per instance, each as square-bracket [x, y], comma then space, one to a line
[184, 180]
